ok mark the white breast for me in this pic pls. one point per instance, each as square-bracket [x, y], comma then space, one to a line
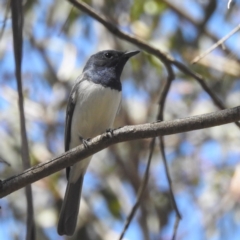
[95, 110]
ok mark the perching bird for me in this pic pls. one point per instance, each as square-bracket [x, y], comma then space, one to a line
[92, 107]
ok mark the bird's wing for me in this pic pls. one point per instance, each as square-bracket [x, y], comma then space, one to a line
[69, 113]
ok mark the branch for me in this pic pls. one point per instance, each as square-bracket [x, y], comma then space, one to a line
[116, 31]
[3, 161]
[140, 191]
[202, 82]
[5, 18]
[162, 101]
[220, 42]
[123, 134]
[17, 26]
[195, 22]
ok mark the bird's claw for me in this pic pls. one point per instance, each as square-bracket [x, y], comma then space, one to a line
[109, 131]
[84, 141]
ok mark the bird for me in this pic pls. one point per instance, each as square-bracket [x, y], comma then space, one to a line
[92, 106]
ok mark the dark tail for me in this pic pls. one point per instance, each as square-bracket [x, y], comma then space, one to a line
[70, 208]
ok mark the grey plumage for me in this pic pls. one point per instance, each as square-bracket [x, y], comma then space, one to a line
[69, 214]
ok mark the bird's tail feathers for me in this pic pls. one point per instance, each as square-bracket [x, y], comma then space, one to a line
[70, 208]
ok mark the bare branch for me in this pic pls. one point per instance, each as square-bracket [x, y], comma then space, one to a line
[202, 82]
[64, 26]
[4, 162]
[17, 26]
[177, 220]
[220, 42]
[140, 192]
[127, 133]
[5, 18]
[162, 101]
[195, 22]
[116, 31]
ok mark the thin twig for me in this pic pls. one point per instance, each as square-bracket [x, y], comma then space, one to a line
[5, 162]
[159, 117]
[5, 18]
[162, 101]
[141, 191]
[127, 133]
[218, 43]
[162, 146]
[116, 31]
[172, 198]
[17, 26]
[196, 22]
[53, 76]
[66, 21]
[175, 228]
[165, 91]
[203, 84]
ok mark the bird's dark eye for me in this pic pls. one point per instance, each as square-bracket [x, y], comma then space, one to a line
[108, 55]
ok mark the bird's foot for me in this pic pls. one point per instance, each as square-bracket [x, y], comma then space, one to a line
[84, 141]
[109, 132]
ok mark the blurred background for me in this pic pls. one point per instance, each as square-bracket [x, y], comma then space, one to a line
[204, 165]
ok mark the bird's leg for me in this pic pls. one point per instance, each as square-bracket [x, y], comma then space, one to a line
[84, 141]
[109, 131]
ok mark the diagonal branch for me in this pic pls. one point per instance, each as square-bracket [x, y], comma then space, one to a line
[116, 31]
[127, 133]
[202, 82]
[195, 22]
[218, 43]
[140, 192]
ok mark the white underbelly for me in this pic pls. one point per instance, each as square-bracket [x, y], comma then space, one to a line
[94, 113]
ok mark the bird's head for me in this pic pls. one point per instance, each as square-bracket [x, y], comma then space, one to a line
[109, 61]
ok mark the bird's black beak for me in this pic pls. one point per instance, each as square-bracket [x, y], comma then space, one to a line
[122, 61]
[130, 54]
